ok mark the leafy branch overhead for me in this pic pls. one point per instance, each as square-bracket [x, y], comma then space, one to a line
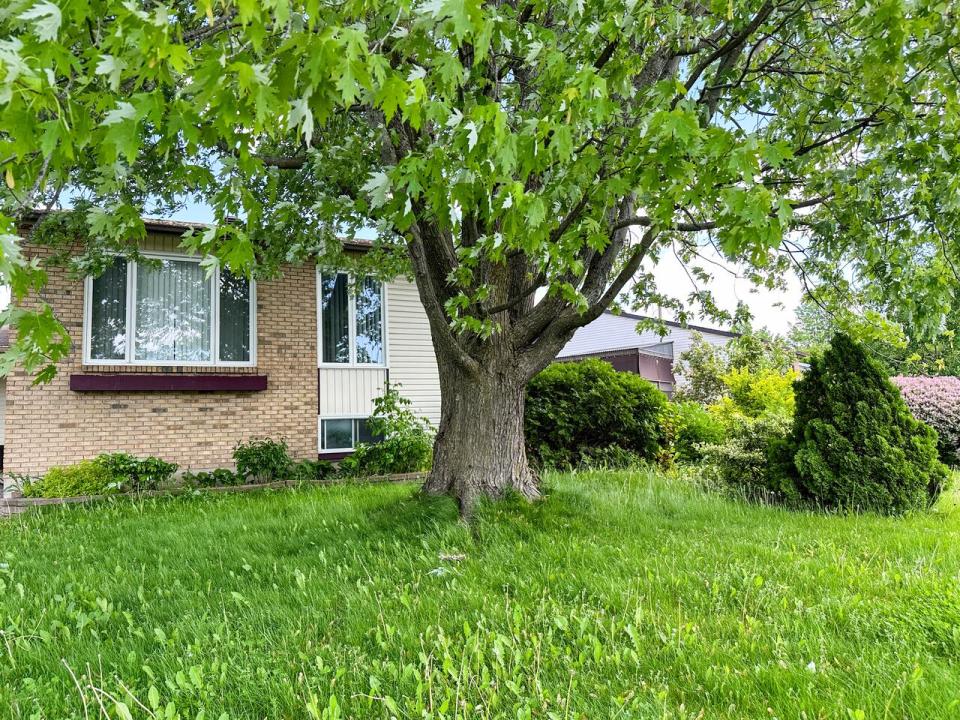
[503, 146]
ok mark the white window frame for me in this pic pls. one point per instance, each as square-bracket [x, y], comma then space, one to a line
[129, 359]
[351, 326]
[353, 432]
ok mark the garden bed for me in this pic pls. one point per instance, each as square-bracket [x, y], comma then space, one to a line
[21, 503]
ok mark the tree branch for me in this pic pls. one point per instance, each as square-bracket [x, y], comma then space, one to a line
[732, 45]
[644, 221]
[283, 162]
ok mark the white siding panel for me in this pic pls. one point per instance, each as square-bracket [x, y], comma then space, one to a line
[412, 363]
[683, 339]
[609, 332]
[349, 391]
[618, 332]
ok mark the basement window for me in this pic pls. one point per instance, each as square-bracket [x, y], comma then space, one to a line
[340, 434]
[169, 311]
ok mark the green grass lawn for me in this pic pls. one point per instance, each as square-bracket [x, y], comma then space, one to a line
[620, 595]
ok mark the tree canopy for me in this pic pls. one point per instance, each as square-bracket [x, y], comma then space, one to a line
[903, 343]
[503, 148]
[507, 145]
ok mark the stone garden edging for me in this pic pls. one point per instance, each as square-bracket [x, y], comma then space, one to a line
[9, 506]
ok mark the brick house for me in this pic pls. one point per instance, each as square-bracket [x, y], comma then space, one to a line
[169, 362]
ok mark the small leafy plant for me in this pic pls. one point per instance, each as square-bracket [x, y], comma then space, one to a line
[405, 440]
[220, 477]
[313, 470]
[263, 460]
[137, 474]
[87, 477]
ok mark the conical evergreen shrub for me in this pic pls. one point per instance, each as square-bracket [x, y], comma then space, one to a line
[855, 444]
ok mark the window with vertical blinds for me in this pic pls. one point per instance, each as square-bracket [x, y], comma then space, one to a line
[173, 313]
[334, 319]
[108, 313]
[351, 320]
[168, 311]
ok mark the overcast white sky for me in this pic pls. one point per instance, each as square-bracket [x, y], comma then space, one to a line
[728, 290]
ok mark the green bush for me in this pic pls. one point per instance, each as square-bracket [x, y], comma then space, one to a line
[612, 457]
[854, 443]
[755, 393]
[576, 408]
[136, 474]
[695, 427]
[87, 477]
[263, 460]
[313, 470]
[405, 441]
[746, 461]
[220, 477]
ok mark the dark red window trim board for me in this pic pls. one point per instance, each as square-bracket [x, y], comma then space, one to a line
[335, 455]
[163, 382]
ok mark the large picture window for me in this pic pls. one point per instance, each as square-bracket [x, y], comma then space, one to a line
[351, 320]
[168, 311]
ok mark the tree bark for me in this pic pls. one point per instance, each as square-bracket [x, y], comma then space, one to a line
[479, 449]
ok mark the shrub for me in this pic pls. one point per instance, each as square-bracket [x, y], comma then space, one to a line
[695, 427]
[263, 460]
[313, 470]
[612, 457]
[747, 462]
[703, 366]
[405, 441]
[576, 408]
[137, 474]
[855, 444]
[214, 478]
[87, 477]
[936, 401]
[756, 393]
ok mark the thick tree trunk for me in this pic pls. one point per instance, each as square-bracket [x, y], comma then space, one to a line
[479, 449]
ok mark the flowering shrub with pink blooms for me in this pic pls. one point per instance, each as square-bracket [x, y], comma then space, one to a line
[936, 401]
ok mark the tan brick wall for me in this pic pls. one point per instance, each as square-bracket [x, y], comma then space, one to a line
[51, 425]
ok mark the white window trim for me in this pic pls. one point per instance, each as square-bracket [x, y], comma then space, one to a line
[353, 432]
[129, 360]
[351, 328]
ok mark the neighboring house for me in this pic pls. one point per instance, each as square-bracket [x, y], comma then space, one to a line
[169, 362]
[614, 338]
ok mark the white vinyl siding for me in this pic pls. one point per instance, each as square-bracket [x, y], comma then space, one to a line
[349, 391]
[412, 363]
[619, 332]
